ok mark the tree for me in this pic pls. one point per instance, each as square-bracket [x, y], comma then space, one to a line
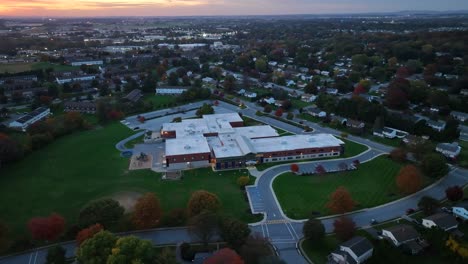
[454, 193]
[167, 256]
[175, 217]
[242, 181]
[434, 166]
[311, 88]
[229, 84]
[56, 255]
[428, 205]
[340, 201]
[397, 97]
[294, 168]
[313, 230]
[96, 249]
[131, 249]
[88, 233]
[234, 232]
[409, 179]
[290, 116]
[267, 109]
[4, 237]
[106, 212]
[255, 249]
[225, 255]
[205, 109]
[204, 226]
[344, 228]
[202, 201]
[47, 228]
[398, 155]
[261, 65]
[359, 89]
[320, 170]
[272, 260]
[147, 212]
[279, 112]
[10, 150]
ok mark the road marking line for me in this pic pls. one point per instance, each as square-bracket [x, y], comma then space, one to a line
[263, 231]
[35, 257]
[268, 232]
[294, 231]
[30, 258]
[292, 235]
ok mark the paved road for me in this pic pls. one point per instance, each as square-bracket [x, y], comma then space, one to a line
[159, 237]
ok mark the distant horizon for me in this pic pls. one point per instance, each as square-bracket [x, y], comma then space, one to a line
[209, 8]
[244, 15]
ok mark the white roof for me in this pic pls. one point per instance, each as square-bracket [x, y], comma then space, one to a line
[256, 131]
[262, 145]
[188, 145]
[188, 127]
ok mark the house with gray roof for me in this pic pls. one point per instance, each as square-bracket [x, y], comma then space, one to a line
[354, 251]
[406, 237]
[436, 125]
[449, 150]
[460, 116]
[443, 221]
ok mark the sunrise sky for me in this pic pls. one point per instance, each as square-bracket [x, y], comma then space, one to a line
[67, 8]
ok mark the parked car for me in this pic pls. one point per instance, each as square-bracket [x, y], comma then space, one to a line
[446, 210]
[373, 221]
[410, 211]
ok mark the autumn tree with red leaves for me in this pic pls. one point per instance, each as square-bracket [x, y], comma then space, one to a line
[409, 179]
[147, 212]
[340, 201]
[454, 193]
[344, 228]
[294, 167]
[88, 233]
[359, 89]
[47, 228]
[225, 255]
[279, 112]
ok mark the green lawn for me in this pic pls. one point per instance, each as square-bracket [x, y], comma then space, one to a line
[30, 66]
[373, 183]
[160, 101]
[298, 103]
[318, 253]
[73, 170]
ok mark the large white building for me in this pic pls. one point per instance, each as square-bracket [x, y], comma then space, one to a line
[171, 90]
[222, 141]
[25, 121]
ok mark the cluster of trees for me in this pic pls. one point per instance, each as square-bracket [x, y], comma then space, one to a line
[40, 134]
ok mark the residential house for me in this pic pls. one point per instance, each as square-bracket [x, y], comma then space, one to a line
[355, 124]
[443, 221]
[250, 94]
[463, 133]
[84, 61]
[378, 133]
[449, 150]
[290, 83]
[25, 121]
[171, 90]
[436, 125]
[332, 91]
[339, 119]
[406, 237]
[74, 78]
[464, 92]
[461, 210]
[389, 132]
[270, 100]
[354, 251]
[134, 96]
[413, 140]
[460, 116]
[81, 107]
[309, 98]
[316, 112]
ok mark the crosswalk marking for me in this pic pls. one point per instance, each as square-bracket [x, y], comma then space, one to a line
[277, 221]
